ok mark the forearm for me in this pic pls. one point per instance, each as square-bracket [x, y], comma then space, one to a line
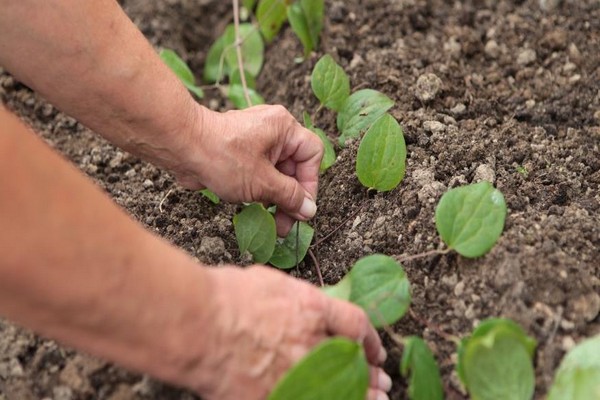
[74, 267]
[89, 59]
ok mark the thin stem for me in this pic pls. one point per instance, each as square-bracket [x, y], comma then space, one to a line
[160, 205]
[434, 328]
[403, 258]
[337, 228]
[317, 267]
[238, 49]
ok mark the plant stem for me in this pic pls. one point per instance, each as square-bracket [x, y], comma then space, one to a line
[403, 258]
[238, 49]
[317, 267]
[434, 328]
[337, 228]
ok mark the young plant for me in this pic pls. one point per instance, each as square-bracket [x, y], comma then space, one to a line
[496, 362]
[578, 376]
[329, 153]
[419, 365]
[470, 219]
[360, 111]
[306, 19]
[293, 248]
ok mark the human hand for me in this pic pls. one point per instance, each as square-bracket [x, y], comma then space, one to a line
[265, 321]
[259, 154]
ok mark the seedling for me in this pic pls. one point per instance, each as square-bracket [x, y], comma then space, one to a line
[293, 248]
[360, 111]
[329, 154]
[495, 362]
[329, 83]
[255, 232]
[578, 376]
[418, 364]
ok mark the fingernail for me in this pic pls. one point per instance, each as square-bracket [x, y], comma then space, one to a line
[384, 382]
[308, 209]
[382, 356]
[382, 396]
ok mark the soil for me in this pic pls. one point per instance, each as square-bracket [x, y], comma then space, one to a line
[518, 103]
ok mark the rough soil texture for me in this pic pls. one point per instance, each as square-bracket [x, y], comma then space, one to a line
[518, 103]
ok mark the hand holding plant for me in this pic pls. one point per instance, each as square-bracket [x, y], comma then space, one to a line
[261, 154]
[262, 323]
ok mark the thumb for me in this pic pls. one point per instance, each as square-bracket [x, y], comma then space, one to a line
[287, 193]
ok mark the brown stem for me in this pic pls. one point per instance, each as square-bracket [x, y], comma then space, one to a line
[403, 258]
[337, 228]
[317, 267]
[434, 328]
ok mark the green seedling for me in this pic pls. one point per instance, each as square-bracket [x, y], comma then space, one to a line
[329, 83]
[496, 362]
[419, 365]
[181, 69]
[255, 232]
[329, 154]
[381, 158]
[306, 19]
[286, 254]
[578, 376]
[360, 111]
[379, 285]
[335, 369]
[210, 196]
[271, 15]
[470, 219]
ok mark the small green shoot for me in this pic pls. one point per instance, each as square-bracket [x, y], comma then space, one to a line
[284, 255]
[425, 382]
[578, 376]
[335, 369]
[306, 20]
[271, 15]
[381, 158]
[238, 98]
[496, 362]
[360, 111]
[329, 154]
[181, 69]
[329, 83]
[210, 196]
[470, 219]
[379, 285]
[255, 232]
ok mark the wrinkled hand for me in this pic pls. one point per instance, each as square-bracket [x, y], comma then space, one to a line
[261, 154]
[264, 322]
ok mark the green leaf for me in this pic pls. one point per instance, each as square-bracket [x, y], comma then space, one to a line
[255, 232]
[495, 362]
[340, 290]
[335, 369]
[235, 78]
[306, 20]
[470, 219]
[330, 83]
[181, 69]
[237, 97]
[284, 256]
[249, 4]
[425, 381]
[578, 376]
[381, 158]
[329, 156]
[215, 67]
[381, 288]
[253, 48]
[211, 196]
[271, 14]
[360, 111]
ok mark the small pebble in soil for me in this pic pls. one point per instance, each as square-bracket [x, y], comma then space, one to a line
[148, 184]
[484, 173]
[492, 50]
[549, 5]
[428, 86]
[434, 126]
[526, 57]
[458, 109]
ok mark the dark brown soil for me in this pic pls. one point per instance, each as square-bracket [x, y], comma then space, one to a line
[519, 104]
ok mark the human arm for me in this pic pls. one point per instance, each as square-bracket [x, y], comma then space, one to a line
[89, 59]
[75, 268]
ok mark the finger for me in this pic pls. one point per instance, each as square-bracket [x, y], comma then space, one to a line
[287, 167]
[379, 379]
[284, 223]
[286, 192]
[305, 149]
[348, 320]
[374, 394]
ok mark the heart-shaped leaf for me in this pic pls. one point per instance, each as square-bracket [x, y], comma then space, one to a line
[381, 288]
[578, 376]
[335, 369]
[417, 360]
[360, 111]
[255, 232]
[285, 254]
[330, 83]
[381, 158]
[271, 14]
[470, 219]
